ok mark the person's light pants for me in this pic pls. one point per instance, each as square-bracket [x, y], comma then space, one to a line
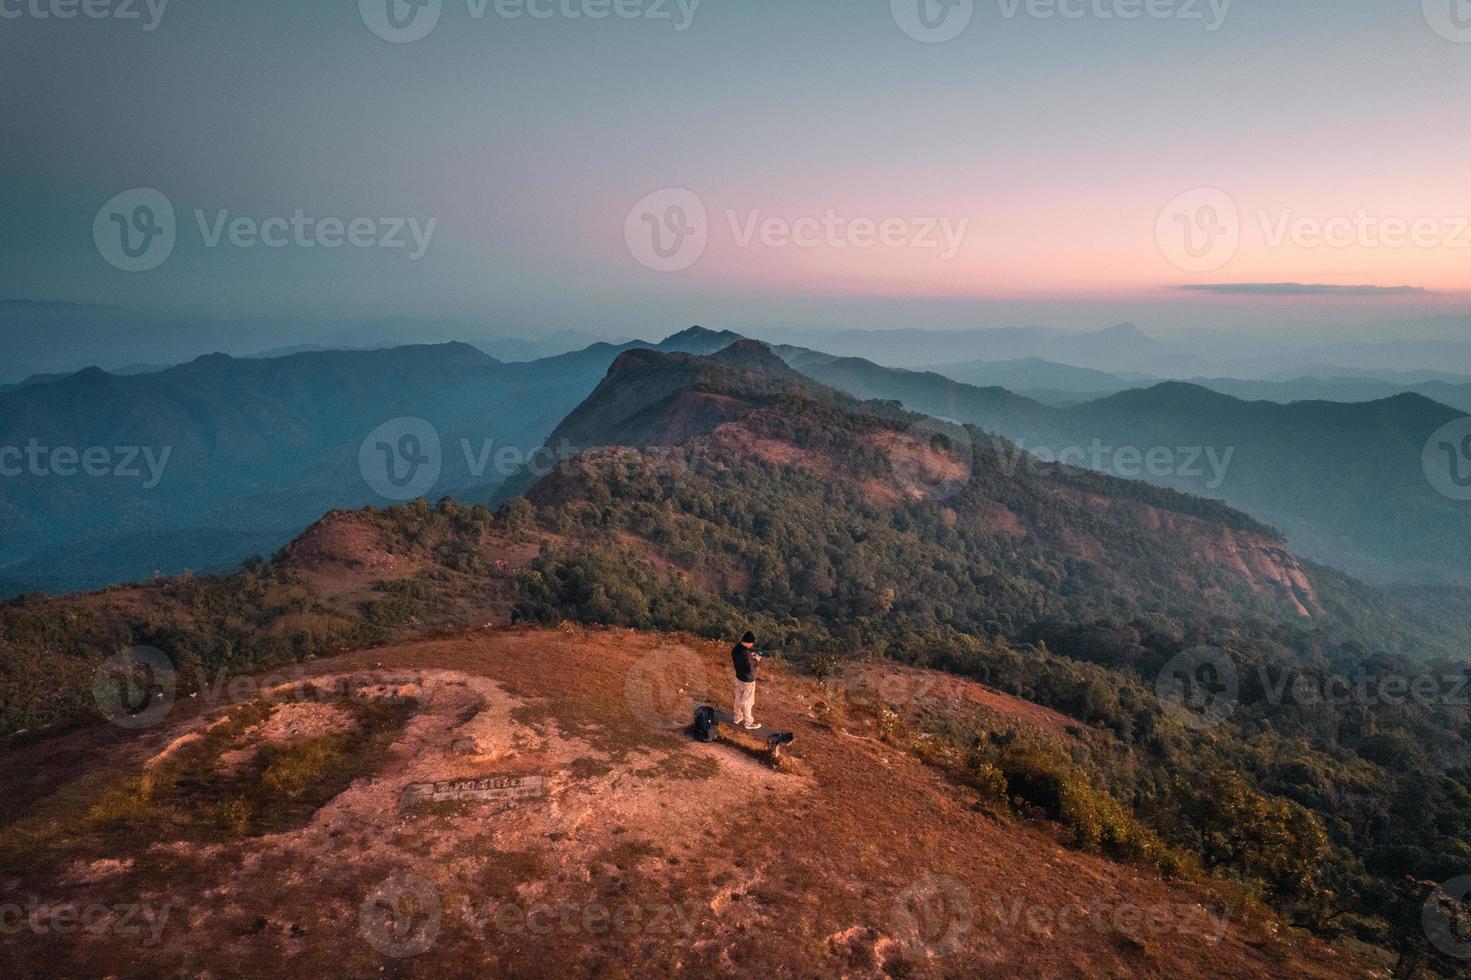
[745, 702]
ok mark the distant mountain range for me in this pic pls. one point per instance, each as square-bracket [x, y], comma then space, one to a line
[203, 464]
[1127, 351]
[1344, 481]
[1122, 347]
[1061, 385]
[54, 338]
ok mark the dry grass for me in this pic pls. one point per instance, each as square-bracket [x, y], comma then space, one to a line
[767, 868]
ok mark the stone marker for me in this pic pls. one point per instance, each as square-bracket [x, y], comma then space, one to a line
[491, 788]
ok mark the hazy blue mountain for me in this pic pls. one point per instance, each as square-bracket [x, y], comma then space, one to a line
[1344, 481]
[1119, 347]
[1031, 373]
[256, 449]
[259, 447]
[49, 337]
[1062, 385]
[1456, 395]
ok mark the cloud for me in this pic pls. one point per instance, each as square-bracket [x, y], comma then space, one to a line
[1296, 289]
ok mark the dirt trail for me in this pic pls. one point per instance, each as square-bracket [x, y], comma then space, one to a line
[645, 853]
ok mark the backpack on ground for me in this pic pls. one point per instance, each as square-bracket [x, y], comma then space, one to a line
[706, 726]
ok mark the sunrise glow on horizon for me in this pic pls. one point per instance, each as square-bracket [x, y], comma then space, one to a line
[1000, 163]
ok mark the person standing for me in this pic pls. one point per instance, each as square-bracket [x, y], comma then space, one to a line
[745, 659]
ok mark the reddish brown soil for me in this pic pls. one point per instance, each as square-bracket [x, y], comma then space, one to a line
[648, 855]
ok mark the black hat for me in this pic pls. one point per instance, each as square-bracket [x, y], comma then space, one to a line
[749, 637]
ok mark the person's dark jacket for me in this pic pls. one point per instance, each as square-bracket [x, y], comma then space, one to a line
[745, 664]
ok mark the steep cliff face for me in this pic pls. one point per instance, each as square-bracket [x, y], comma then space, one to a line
[1263, 563]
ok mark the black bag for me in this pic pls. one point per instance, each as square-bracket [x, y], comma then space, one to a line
[706, 724]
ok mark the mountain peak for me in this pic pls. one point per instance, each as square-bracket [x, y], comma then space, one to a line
[698, 340]
[753, 355]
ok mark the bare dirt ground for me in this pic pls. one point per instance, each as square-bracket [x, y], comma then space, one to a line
[645, 853]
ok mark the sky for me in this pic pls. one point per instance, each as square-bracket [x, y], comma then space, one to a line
[1256, 165]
